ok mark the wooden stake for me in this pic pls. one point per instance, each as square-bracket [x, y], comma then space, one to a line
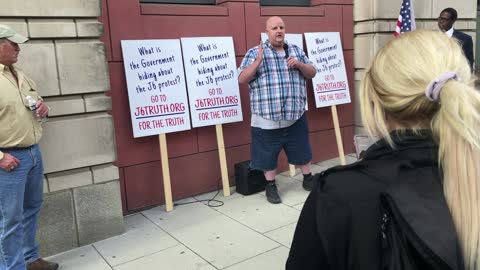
[223, 160]
[292, 170]
[167, 188]
[338, 135]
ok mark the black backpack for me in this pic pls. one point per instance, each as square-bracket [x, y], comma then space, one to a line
[405, 215]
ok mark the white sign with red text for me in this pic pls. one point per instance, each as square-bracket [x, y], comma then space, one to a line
[330, 85]
[156, 86]
[212, 80]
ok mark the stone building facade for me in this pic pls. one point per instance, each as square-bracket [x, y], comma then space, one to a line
[65, 58]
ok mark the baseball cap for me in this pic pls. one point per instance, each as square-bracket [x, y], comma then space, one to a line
[10, 34]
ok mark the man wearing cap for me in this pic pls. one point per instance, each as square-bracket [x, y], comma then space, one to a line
[21, 167]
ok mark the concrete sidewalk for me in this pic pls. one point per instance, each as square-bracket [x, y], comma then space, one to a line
[245, 233]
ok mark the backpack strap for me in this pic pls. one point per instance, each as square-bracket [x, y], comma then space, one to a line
[419, 207]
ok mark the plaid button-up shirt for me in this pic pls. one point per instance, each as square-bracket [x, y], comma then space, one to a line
[277, 92]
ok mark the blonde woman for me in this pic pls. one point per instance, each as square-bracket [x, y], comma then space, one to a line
[417, 95]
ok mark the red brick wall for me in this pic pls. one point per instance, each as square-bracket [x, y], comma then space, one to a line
[193, 156]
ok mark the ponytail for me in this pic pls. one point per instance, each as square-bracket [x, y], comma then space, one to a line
[400, 86]
[457, 126]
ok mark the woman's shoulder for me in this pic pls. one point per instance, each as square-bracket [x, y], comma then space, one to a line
[355, 173]
[360, 179]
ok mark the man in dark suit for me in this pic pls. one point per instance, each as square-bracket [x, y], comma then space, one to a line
[446, 20]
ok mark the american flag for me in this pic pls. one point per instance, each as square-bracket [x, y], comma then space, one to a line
[406, 19]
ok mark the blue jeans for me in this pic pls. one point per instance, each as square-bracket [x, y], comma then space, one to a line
[21, 193]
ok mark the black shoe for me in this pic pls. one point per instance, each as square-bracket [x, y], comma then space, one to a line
[272, 193]
[41, 264]
[308, 183]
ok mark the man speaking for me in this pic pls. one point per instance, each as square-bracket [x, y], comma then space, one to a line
[276, 72]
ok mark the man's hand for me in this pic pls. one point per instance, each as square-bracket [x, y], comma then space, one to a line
[293, 62]
[307, 70]
[42, 109]
[9, 162]
[260, 53]
[249, 72]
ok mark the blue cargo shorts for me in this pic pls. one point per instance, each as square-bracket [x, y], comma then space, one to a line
[267, 144]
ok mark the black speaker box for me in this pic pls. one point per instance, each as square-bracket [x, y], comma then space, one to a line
[248, 181]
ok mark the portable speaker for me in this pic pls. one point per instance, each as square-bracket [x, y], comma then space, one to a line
[247, 180]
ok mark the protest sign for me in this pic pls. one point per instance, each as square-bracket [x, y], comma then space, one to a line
[330, 84]
[156, 86]
[212, 81]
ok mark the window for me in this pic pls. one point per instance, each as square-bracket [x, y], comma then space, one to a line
[302, 3]
[203, 2]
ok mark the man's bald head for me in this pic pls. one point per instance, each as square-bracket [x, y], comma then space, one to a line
[272, 19]
[275, 30]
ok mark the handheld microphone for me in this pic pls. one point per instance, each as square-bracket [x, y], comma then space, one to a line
[285, 48]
